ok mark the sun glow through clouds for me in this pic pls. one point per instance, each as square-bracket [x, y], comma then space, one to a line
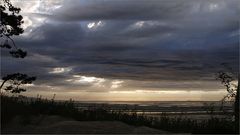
[78, 79]
[139, 24]
[94, 25]
[60, 70]
[116, 84]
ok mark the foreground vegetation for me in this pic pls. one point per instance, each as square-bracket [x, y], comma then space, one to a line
[19, 106]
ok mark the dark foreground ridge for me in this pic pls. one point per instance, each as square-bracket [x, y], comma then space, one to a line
[23, 115]
[53, 124]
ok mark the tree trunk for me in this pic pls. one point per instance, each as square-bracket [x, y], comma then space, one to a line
[2, 84]
[1, 93]
[236, 108]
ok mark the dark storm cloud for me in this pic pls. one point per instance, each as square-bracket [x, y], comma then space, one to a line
[141, 9]
[137, 39]
[134, 9]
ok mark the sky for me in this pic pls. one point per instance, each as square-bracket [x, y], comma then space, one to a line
[126, 50]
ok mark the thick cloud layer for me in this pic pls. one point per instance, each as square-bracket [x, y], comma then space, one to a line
[137, 41]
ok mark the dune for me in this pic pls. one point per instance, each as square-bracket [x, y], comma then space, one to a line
[60, 125]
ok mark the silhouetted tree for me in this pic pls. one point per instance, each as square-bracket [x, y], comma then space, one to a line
[15, 81]
[10, 25]
[227, 79]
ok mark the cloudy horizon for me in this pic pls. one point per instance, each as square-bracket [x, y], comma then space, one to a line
[127, 50]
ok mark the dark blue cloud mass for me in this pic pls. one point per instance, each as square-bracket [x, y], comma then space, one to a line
[130, 39]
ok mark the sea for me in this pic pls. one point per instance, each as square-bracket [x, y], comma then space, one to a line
[199, 110]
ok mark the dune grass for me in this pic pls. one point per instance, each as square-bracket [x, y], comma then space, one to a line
[17, 106]
[179, 124]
